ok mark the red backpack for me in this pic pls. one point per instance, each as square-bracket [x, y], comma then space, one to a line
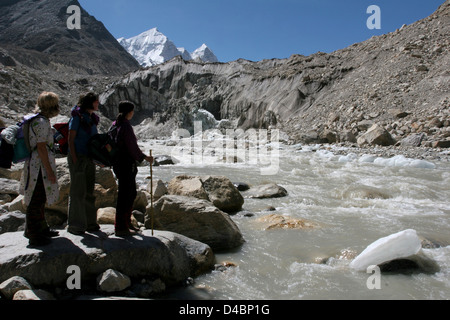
[62, 137]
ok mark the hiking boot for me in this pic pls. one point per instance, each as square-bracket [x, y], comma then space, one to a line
[126, 233]
[93, 228]
[51, 233]
[39, 241]
[76, 232]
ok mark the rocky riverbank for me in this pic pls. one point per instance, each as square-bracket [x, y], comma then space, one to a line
[420, 153]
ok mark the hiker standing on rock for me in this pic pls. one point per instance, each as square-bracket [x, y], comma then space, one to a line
[82, 126]
[39, 183]
[125, 168]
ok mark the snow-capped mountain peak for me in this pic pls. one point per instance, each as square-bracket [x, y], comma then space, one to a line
[152, 47]
[204, 54]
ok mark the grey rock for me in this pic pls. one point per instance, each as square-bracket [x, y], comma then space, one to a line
[9, 287]
[198, 219]
[219, 190]
[188, 186]
[266, 191]
[413, 140]
[113, 281]
[376, 135]
[33, 295]
[8, 186]
[12, 222]
[159, 189]
[223, 194]
[171, 257]
[163, 160]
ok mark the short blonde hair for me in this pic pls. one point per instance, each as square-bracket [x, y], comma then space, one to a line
[48, 104]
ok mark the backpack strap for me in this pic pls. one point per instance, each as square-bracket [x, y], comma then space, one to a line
[113, 132]
[26, 131]
[76, 112]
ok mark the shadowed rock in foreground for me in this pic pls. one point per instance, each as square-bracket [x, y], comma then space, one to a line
[166, 255]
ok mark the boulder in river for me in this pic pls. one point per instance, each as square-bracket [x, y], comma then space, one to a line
[277, 221]
[217, 189]
[196, 218]
[266, 191]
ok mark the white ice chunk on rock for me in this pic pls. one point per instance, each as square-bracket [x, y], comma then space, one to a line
[400, 245]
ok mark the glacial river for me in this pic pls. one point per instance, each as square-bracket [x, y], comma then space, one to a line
[356, 199]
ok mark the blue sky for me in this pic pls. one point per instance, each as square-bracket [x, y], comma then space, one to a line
[257, 29]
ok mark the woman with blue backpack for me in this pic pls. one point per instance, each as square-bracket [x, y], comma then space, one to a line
[82, 215]
[39, 183]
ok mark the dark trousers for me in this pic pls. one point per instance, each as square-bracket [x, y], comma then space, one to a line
[82, 210]
[36, 225]
[126, 174]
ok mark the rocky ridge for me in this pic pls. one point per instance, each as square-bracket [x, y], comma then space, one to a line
[398, 81]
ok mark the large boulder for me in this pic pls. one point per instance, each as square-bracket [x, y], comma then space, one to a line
[196, 218]
[223, 193]
[217, 189]
[187, 186]
[376, 135]
[169, 256]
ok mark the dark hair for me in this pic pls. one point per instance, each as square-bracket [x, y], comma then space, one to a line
[125, 107]
[86, 101]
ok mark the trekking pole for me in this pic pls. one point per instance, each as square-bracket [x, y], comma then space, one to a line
[151, 193]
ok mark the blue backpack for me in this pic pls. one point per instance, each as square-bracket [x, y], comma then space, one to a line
[17, 136]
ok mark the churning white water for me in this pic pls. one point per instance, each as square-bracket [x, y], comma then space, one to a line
[356, 199]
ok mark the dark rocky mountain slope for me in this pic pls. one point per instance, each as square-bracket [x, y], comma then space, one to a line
[35, 33]
[39, 53]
